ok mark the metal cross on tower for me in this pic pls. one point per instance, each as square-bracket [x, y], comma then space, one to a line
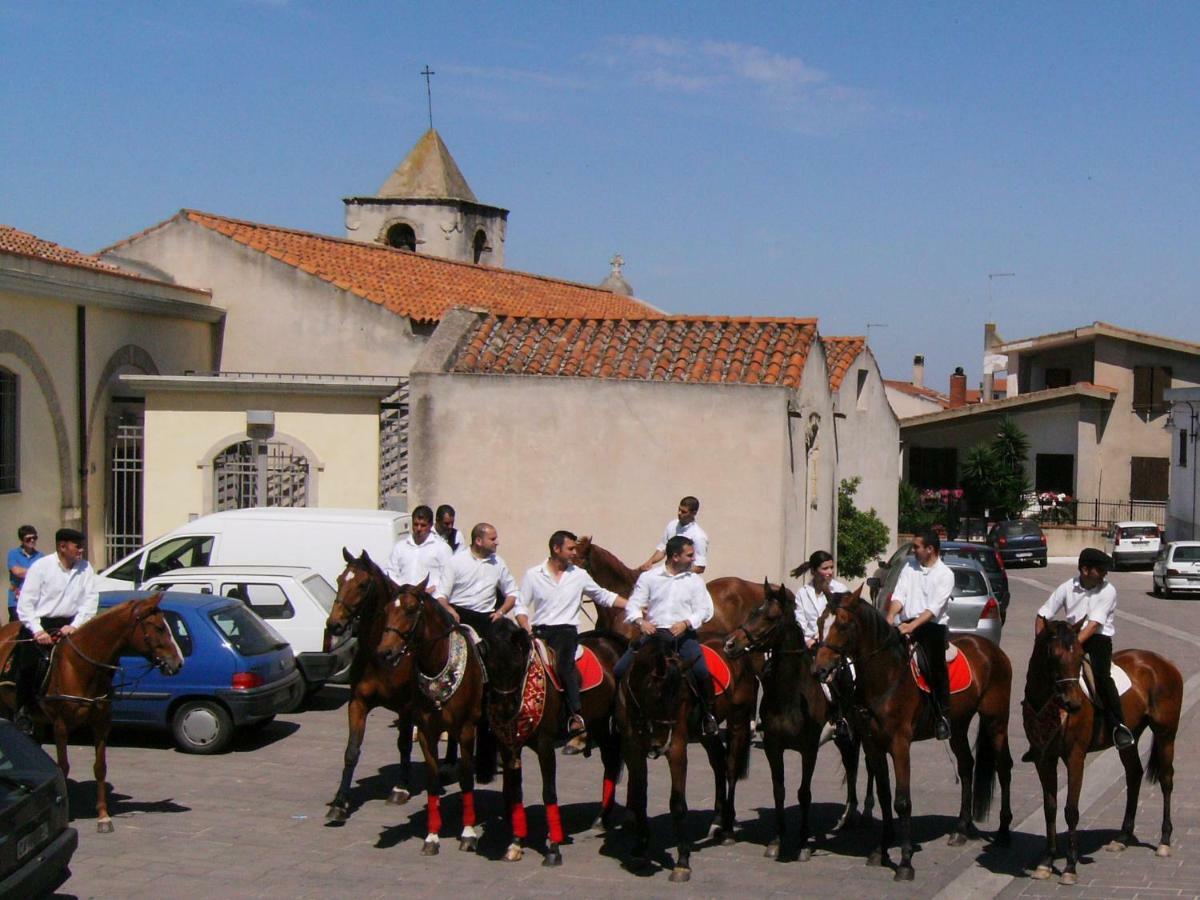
[429, 93]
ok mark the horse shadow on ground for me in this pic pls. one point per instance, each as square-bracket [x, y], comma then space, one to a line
[328, 698]
[81, 796]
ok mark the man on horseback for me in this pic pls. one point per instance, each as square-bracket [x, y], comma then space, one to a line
[684, 525]
[672, 603]
[471, 582]
[419, 554]
[1089, 602]
[58, 596]
[548, 607]
[921, 602]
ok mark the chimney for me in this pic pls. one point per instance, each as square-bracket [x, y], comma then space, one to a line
[918, 371]
[958, 389]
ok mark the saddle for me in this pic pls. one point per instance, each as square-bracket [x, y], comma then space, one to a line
[957, 667]
[1087, 680]
[587, 664]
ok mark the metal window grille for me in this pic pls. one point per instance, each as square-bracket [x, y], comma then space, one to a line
[393, 447]
[123, 531]
[10, 443]
[259, 473]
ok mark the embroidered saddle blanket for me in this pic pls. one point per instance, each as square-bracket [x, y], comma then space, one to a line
[957, 667]
[516, 731]
[441, 687]
[587, 664]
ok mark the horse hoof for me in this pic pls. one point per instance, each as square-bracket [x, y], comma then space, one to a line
[553, 858]
[1163, 851]
[104, 826]
[429, 848]
[772, 851]
[514, 853]
[956, 840]
[399, 796]
[468, 845]
[1068, 878]
[805, 854]
[598, 826]
[1041, 873]
[337, 813]
[904, 873]
[875, 858]
[726, 838]
[1114, 846]
[680, 874]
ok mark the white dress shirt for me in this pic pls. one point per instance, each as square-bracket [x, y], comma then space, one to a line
[921, 589]
[694, 532]
[471, 582]
[1077, 603]
[411, 562]
[810, 605]
[51, 590]
[665, 599]
[549, 599]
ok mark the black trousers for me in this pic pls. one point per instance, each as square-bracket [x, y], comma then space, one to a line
[480, 621]
[563, 640]
[28, 656]
[932, 638]
[1099, 650]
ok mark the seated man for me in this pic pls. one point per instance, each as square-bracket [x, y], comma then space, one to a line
[471, 582]
[672, 603]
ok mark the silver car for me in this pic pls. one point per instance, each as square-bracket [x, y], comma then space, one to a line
[1177, 568]
[974, 608]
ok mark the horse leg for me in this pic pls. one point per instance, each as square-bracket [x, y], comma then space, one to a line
[339, 807]
[849, 817]
[717, 757]
[1047, 769]
[610, 755]
[403, 791]
[964, 828]
[61, 732]
[900, 759]
[877, 768]
[468, 841]
[1075, 763]
[513, 803]
[427, 736]
[548, 763]
[808, 762]
[1133, 786]
[104, 823]
[635, 798]
[677, 759]
[774, 750]
[1162, 756]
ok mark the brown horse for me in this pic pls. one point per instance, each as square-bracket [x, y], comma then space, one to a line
[79, 685]
[794, 711]
[892, 713]
[525, 710]
[655, 713]
[363, 592]
[448, 697]
[1062, 724]
[733, 598]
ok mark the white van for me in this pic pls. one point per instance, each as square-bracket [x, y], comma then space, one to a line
[263, 536]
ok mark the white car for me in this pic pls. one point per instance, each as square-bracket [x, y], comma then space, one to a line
[1133, 542]
[294, 601]
[1177, 568]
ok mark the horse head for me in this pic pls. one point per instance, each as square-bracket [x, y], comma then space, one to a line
[1061, 653]
[151, 636]
[655, 690]
[583, 551]
[506, 651]
[354, 589]
[847, 634]
[403, 621]
[765, 625]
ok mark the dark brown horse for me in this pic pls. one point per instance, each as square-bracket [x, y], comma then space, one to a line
[448, 697]
[1061, 723]
[655, 708]
[733, 598]
[893, 713]
[79, 685]
[525, 709]
[794, 710]
[364, 590]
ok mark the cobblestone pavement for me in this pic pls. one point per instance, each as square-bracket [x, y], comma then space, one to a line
[251, 823]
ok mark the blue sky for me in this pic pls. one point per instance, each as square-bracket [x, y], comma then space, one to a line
[862, 163]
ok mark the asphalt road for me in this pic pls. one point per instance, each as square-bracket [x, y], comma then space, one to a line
[251, 822]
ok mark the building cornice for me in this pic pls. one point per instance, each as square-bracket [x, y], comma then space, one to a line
[1066, 394]
[265, 383]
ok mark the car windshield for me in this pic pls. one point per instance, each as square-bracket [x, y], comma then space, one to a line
[1186, 554]
[244, 631]
[985, 557]
[322, 590]
[1132, 531]
[1015, 529]
[969, 583]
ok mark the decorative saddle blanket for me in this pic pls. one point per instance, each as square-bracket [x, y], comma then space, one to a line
[957, 667]
[587, 664]
[516, 731]
[1087, 681]
[718, 668]
[441, 687]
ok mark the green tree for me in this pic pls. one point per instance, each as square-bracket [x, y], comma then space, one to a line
[861, 536]
[914, 517]
[993, 475]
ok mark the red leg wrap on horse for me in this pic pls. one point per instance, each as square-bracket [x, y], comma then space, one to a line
[518, 821]
[554, 823]
[433, 810]
[610, 791]
[468, 800]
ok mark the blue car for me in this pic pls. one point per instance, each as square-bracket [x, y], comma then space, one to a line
[236, 672]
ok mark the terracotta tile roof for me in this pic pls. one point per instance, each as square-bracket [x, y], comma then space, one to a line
[23, 243]
[840, 352]
[422, 287]
[691, 349]
[907, 387]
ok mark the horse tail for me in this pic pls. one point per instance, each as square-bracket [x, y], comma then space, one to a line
[487, 750]
[1157, 761]
[984, 787]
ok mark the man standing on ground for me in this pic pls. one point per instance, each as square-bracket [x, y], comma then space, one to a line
[59, 595]
[551, 598]
[470, 582]
[419, 554]
[20, 558]
[685, 525]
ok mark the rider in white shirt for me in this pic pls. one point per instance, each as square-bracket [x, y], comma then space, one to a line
[420, 554]
[812, 600]
[471, 582]
[684, 525]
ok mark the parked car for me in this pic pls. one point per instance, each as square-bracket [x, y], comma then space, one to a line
[293, 600]
[1177, 568]
[237, 672]
[1133, 542]
[36, 843]
[291, 536]
[972, 528]
[974, 608]
[1019, 541]
[990, 559]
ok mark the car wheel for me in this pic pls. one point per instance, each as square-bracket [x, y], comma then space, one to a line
[1166, 591]
[202, 726]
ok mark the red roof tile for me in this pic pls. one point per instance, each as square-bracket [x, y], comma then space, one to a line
[422, 287]
[687, 349]
[907, 387]
[840, 352]
[23, 243]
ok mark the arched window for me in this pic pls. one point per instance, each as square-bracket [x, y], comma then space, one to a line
[259, 473]
[481, 246]
[10, 433]
[402, 237]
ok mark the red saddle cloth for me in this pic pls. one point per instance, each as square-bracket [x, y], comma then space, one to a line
[718, 668]
[960, 674]
[591, 673]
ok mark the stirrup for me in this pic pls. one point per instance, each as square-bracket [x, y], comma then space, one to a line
[841, 729]
[708, 724]
[941, 728]
[1123, 738]
[23, 721]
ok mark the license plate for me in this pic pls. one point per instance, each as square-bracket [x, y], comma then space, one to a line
[1024, 554]
[30, 842]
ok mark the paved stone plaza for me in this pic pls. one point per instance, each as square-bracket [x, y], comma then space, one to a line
[251, 823]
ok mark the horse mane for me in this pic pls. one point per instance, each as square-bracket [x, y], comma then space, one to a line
[599, 558]
[866, 614]
[508, 646]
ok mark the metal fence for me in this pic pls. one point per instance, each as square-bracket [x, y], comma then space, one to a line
[1103, 513]
[123, 531]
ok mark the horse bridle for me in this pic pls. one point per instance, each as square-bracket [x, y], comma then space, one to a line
[645, 723]
[156, 661]
[409, 637]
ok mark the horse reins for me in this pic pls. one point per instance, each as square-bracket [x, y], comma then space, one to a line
[156, 662]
